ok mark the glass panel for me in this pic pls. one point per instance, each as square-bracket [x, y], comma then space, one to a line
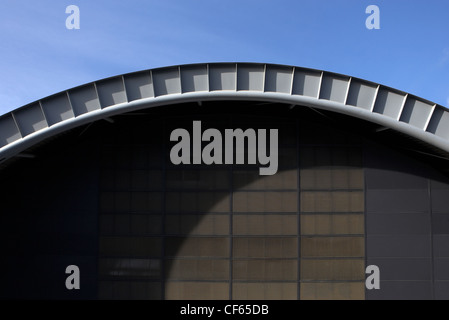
[108, 290]
[146, 202]
[198, 179]
[265, 224]
[107, 202]
[356, 179]
[197, 202]
[197, 269]
[122, 224]
[196, 290]
[251, 180]
[333, 291]
[357, 202]
[197, 247]
[130, 246]
[316, 202]
[122, 180]
[327, 155]
[326, 224]
[122, 202]
[265, 270]
[326, 179]
[323, 156]
[122, 156]
[264, 291]
[347, 201]
[265, 247]
[265, 202]
[315, 179]
[122, 290]
[136, 268]
[197, 224]
[146, 179]
[106, 224]
[332, 246]
[107, 179]
[145, 290]
[140, 179]
[288, 157]
[337, 201]
[339, 269]
[105, 290]
[146, 224]
[144, 156]
[155, 179]
[132, 224]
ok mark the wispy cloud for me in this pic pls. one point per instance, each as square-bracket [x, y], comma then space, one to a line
[39, 56]
[444, 57]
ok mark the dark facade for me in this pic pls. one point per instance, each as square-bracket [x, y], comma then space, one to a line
[106, 197]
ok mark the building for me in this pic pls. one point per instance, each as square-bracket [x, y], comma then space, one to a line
[362, 179]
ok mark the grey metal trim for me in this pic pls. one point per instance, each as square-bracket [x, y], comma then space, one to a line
[251, 83]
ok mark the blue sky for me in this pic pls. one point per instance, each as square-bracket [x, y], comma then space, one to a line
[39, 56]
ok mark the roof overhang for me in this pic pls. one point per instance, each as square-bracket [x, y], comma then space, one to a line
[387, 107]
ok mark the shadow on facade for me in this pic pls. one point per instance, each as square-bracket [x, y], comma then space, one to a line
[106, 198]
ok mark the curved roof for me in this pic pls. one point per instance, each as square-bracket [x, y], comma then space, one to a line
[292, 85]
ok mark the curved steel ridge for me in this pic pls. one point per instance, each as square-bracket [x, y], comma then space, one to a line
[416, 117]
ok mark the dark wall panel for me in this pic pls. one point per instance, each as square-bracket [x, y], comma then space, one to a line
[402, 290]
[441, 245]
[49, 221]
[403, 269]
[396, 200]
[398, 224]
[442, 290]
[440, 228]
[399, 245]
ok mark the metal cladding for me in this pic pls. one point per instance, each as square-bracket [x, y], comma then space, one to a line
[296, 86]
